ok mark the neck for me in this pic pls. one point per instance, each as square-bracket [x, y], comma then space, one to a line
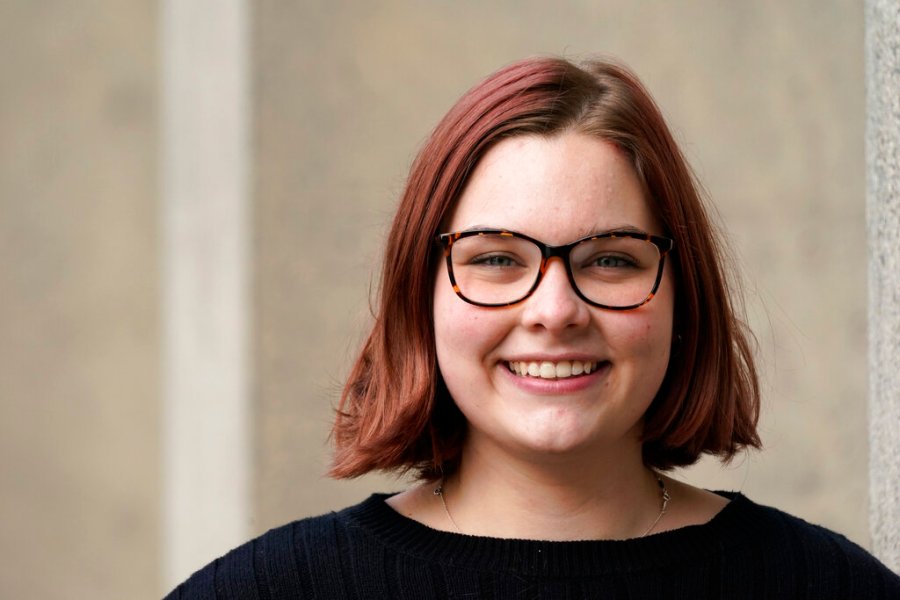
[566, 498]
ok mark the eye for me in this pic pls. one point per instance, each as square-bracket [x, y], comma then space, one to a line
[495, 260]
[612, 261]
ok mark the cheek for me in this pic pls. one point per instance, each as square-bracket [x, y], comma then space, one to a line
[456, 324]
[647, 339]
[466, 336]
[645, 336]
[657, 333]
[659, 349]
[456, 345]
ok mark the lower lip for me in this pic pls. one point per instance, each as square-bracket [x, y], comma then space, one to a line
[567, 385]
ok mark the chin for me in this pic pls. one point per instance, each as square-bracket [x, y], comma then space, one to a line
[556, 439]
[575, 434]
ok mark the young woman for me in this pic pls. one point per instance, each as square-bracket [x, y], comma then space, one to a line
[554, 332]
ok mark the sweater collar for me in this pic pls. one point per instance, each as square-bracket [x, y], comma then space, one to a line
[733, 523]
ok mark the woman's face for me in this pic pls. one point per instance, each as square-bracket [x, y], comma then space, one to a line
[557, 190]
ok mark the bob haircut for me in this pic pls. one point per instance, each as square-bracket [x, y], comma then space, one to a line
[395, 413]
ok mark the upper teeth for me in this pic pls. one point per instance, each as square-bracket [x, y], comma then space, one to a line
[552, 370]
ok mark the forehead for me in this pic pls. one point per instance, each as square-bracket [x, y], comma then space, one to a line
[554, 188]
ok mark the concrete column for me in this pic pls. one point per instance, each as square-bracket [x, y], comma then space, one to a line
[883, 217]
[205, 239]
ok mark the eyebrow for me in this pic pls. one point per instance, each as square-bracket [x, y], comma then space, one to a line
[586, 231]
[582, 232]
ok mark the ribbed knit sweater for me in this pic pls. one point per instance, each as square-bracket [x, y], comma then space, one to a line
[369, 551]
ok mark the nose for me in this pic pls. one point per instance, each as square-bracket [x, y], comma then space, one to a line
[554, 305]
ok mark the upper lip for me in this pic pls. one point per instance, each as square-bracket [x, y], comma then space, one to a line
[555, 358]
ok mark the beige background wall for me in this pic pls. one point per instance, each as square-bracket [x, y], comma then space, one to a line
[79, 387]
[767, 99]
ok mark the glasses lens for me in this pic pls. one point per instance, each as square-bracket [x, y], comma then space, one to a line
[490, 268]
[615, 271]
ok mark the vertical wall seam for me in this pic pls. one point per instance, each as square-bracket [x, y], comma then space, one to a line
[205, 281]
[882, 47]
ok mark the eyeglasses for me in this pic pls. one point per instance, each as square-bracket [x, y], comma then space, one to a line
[619, 270]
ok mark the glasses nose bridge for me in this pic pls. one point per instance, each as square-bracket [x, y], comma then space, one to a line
[562, 253]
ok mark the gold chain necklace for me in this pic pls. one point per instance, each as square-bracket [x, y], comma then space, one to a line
[664, 493]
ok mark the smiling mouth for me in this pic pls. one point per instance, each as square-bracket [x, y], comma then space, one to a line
[552, 370]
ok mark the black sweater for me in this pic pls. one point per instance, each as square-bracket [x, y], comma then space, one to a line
[370, 551]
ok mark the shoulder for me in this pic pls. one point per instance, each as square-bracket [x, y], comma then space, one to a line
[290, 560]
[777, 525]
[797, 549]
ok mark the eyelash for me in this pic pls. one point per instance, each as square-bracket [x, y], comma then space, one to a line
[487, 260]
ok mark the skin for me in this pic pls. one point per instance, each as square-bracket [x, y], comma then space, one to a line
[547, 459]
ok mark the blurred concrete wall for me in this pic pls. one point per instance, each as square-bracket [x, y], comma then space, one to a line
[767, 99]
[79, 474]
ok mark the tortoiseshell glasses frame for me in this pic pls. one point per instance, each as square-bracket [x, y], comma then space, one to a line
[662, 246]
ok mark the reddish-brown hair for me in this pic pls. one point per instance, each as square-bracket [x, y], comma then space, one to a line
[395, 413]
